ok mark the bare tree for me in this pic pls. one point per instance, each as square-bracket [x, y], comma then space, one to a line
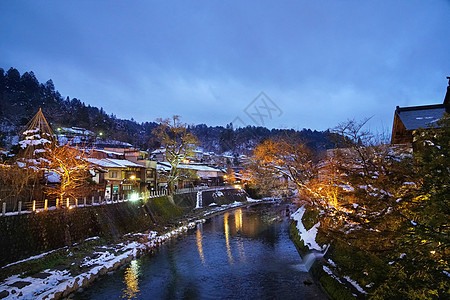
[16, 182]
[71, 169]
[179, 144]
[278, 164]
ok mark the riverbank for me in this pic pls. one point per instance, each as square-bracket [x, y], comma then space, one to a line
[334, 265]
[58, 273]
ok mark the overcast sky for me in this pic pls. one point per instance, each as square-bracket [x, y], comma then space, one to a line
[318, 62]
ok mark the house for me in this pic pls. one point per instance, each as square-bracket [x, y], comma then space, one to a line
[101, 154]
[409, 119]
[75, 136]
[134, 155]
[159, 154]
[194, 175]
[123, 177]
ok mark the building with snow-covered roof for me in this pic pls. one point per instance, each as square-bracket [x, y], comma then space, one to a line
[199, 174]
[409, 119]
[123, 177]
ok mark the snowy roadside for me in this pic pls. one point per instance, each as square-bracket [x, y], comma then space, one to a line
[57, 283]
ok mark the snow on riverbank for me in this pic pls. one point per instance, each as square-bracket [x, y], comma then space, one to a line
[54, 284]
[51, 284]
[308, 236]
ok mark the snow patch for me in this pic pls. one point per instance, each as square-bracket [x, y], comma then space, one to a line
[355, 284]
[308, 236]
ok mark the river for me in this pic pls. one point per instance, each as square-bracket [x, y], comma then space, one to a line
[245, 253]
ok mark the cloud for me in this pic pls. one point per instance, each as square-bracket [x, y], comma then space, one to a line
[323, 62]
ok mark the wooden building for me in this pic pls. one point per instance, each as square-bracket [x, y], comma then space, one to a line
[409, 119]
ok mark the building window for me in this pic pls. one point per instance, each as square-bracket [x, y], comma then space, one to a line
[150, 173]
[113, 174]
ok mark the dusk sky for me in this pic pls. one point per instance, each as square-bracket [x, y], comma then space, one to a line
[319, 62]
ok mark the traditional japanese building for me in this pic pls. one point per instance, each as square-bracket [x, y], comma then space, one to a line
[409, 119]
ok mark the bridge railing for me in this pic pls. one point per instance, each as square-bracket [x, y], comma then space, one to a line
[207, 188]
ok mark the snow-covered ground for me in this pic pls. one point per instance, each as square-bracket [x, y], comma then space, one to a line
[54, 283]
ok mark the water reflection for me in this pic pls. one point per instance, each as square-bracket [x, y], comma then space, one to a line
[199, 242]
[239, 242]
[131, 281]
[238, 219]
[227, 237]
[259, 262]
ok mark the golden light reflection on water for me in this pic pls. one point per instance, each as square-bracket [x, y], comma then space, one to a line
[199, 242]
[238, 219]
[132, 281]
[227, 237]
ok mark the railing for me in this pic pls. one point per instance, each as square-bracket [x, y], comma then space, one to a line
[207, 188]
[70, 203]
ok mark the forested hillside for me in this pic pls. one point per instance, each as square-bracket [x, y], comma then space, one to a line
[21, 96]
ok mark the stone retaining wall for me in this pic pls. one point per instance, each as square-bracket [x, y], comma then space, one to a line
[22, 236]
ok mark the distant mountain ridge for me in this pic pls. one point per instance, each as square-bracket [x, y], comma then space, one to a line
[21, 96]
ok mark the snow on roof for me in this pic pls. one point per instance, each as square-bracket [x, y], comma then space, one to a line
[52, 177]
[108, 143]
[159, 151]
[163, 167]
[125, 163]
[108, 152]
[103, 163]
[113, 163]
[198, 168]
[77, 130]
[421, 116]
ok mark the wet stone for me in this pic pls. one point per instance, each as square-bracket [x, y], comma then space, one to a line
[20, 284]
[41, 275]
[4, 294]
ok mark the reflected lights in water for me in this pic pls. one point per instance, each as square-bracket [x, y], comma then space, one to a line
[238, 223]
[132, 281]
[199, 242]
[238, 219]
[227, 237]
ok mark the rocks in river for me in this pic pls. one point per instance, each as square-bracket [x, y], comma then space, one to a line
[4, 294]
[307, 282]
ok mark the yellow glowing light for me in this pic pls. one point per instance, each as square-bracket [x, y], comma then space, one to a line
[433, 252]
[133, 177]
[70, 207]
[227, 238]
[131, 280]
[238, 219]
[199, 243]
[100, 134]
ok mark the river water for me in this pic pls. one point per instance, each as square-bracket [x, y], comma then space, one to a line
[243, 254]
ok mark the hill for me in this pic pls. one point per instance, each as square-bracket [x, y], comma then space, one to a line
[21, 96]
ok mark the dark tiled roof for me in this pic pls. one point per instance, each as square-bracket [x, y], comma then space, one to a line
[420, 116]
